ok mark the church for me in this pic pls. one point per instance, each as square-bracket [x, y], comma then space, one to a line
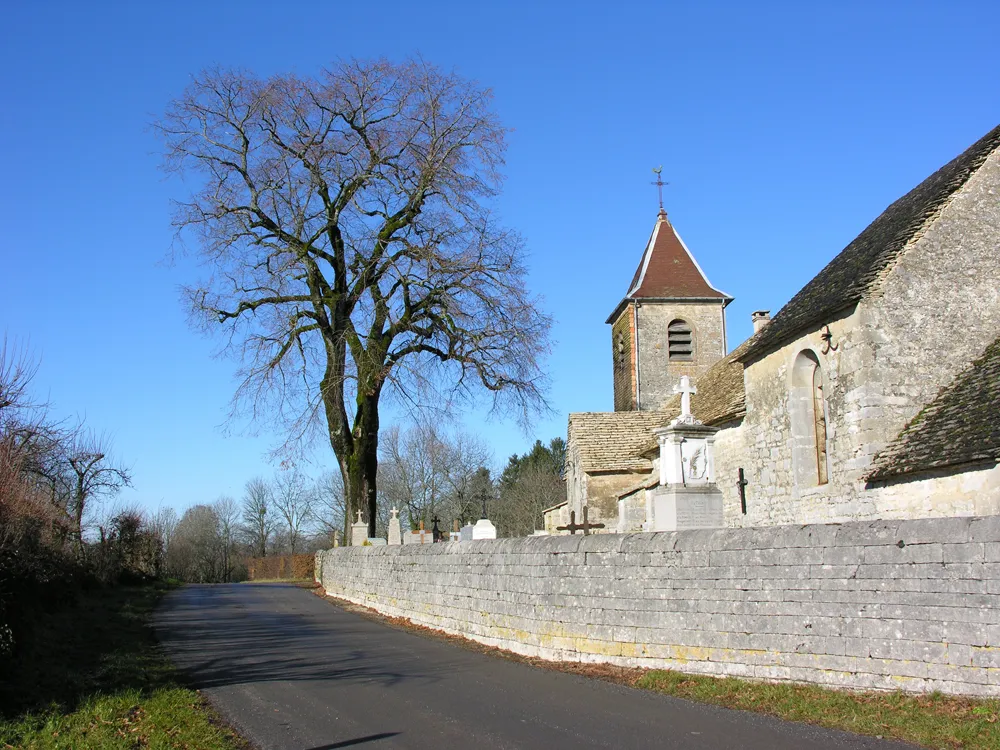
[874, 393]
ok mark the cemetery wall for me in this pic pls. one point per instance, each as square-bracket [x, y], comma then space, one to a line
[911, 605]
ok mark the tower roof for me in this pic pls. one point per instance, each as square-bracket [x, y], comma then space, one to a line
[668, 271]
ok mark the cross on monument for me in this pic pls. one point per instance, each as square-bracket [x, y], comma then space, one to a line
[359, 518]
[394, 513]
[685, 389]
[658, 171]
[572, 527]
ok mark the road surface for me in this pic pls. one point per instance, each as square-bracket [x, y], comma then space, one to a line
[293, 671]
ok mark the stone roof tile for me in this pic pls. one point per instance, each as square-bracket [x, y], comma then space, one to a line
[612, 441]
[959, 427]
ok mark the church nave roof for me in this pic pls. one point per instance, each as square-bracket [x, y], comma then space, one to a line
[854, 273]
[959, 427]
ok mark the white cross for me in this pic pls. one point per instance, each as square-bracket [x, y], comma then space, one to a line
[685, 389]
[359, 518]
[394, 513]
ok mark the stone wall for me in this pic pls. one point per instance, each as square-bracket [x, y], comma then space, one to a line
[911, 605]
[657, 374]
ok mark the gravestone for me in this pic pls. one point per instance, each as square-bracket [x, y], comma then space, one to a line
[484, 529]
[359, 532]
[395, 536]
[687, 496]
[465, 534]
[419, 536]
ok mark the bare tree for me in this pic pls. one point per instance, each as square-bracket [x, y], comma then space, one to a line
[196, 552]
[258, 520]
[228, 511]
[94, 473]
[329, 508]
[427, 471]
[347, 219]
[293, 501]
[162, 524]
[32, 450]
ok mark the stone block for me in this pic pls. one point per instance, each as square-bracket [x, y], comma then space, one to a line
[871, 533]
[985, 529]
[940, 530]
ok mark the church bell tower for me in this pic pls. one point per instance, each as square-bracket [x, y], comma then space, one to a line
[671, 323]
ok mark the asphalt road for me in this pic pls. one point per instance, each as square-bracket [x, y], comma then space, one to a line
[293, 671]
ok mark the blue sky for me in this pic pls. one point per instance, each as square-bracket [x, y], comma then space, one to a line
[782, 128]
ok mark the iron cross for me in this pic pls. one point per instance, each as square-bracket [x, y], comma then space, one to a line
[658, 171]
[741, 485]
[572, 527]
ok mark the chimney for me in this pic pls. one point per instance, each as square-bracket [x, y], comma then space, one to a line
[760, 319]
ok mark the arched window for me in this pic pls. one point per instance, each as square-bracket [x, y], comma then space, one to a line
[807, 407]
[680, 341]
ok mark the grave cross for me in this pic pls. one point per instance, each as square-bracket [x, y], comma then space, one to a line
[359, 518]
[685, 389]
[572, 527]
[435, 529]
[741, 485]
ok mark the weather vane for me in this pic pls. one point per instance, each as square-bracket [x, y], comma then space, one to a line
[658, 171]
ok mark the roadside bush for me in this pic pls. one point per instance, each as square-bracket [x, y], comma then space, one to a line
[35, 581]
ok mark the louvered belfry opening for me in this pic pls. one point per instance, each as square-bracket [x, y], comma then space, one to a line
[680, 342]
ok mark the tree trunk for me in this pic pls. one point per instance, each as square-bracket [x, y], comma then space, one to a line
[360, 485]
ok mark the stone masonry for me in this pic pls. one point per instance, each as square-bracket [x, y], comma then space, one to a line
[935, 311]
[657, 374]
[890, 605]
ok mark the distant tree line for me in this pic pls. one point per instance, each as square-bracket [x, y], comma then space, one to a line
[60, 532]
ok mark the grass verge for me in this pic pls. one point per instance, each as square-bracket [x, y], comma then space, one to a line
[93, 676]
[934, 721]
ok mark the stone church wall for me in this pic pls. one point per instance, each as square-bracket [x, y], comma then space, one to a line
[602, 495]
[911, 605]
[658, 375]
[970, 492]
[936, 310]
[730, 452]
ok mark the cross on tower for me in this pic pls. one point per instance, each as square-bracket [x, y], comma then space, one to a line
[658, 171]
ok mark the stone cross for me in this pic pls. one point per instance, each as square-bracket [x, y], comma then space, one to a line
[395, 535]
[686, 389]
[359, 518]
